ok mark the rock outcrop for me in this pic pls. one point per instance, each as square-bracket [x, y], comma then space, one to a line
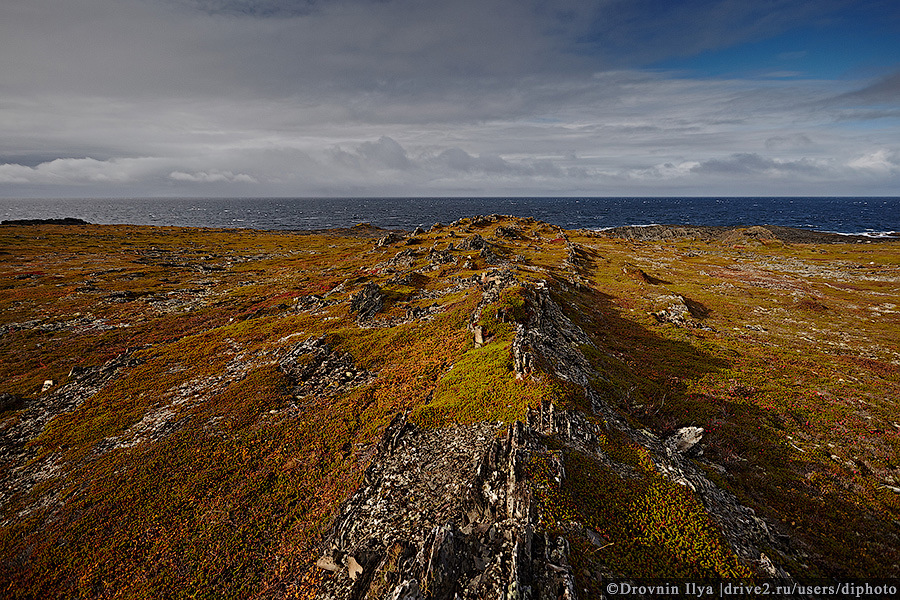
[367, 302]
[452, 513]
[682, 312]
[447, 514]
[316, 369]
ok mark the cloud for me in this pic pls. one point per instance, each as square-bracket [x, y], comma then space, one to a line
[878, 161]
[300, 97]
[745, 163]
[794, 140]
[885, 90]
[212, 177]
[457, 159]
[385, 153]
[254, 8]
[79, 171]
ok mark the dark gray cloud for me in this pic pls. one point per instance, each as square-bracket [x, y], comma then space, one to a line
[885, 90]
[745, 163]
[406, 96]
[458, 159]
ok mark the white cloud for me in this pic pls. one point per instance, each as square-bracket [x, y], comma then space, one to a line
[76, 171]
[878, 161]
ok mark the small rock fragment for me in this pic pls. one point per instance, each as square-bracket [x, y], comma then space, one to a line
[327, 563]
[354, 569]
[478, 337]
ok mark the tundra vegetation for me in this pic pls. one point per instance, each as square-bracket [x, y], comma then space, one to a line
[214, 399]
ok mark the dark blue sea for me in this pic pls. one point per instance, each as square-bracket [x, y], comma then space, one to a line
[854, 215]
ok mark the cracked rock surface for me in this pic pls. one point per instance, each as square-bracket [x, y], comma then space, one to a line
[446, 514]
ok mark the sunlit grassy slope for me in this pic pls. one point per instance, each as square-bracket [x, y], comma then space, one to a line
[198, 471]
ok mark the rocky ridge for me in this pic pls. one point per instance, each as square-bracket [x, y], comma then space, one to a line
[451, 513]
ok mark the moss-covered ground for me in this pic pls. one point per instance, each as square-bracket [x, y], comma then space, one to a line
[790, 366]
[196, 472]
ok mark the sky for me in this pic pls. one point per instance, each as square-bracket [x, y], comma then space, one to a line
[142, 98]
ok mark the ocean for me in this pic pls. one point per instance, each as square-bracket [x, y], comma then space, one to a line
[873, 216]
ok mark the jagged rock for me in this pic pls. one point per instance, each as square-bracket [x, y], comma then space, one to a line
[408, 590]
[489, 257]
[418, 231]
[510, 233]
[552, 337]
[314, 368]
[388, 239]
[49, 383]
[419, 488]
[440, 257]
[522, 362]
[682, 312]
[555, 343]
[439, 554]
[367, 302]
[684, 439]
[473, 242]
[312, 302]
[403, 259]
[420, 313]
[461, 503]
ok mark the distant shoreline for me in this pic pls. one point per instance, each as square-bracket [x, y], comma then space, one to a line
[646, 233]
[759, 232]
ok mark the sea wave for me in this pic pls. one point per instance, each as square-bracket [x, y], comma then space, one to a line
[869, 233]
[621, 226]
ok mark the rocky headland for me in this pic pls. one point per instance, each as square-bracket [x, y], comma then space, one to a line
[492, 408]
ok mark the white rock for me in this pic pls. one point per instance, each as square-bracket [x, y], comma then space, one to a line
[327, 563]
[685, 438]
[354, 568]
